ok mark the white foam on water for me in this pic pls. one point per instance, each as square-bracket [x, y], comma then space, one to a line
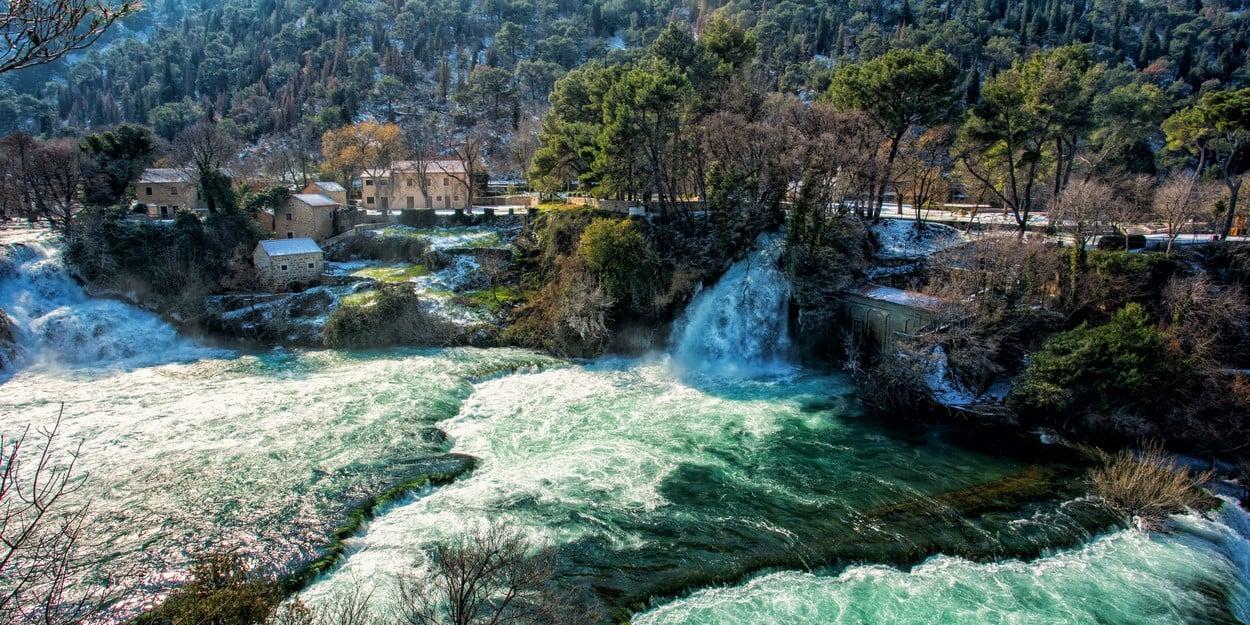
[569, 453]
[264, 454]
[1124, 578]
[58, 324]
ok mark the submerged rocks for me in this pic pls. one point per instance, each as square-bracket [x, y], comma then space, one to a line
[8, 341]
[287, 318]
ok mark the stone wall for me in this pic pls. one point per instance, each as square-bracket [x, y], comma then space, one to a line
[507, 200]
[878, 323]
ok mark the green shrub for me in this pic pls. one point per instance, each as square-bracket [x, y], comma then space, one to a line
[559, 233]
[168, 261]
[1118, 278]
[398, 248]
[222, 591]
[619, 254]
[393, 315]
[1120, 366]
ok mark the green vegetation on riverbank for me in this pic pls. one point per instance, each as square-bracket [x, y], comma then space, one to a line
[398, 273]
[391, 315]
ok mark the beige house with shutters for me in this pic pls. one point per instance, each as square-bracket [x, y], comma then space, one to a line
[163, 192]
[283, 262]
[399, 187]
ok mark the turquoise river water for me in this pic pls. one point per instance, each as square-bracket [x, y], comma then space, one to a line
[674, 489]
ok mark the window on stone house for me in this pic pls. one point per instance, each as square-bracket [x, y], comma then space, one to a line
[147, 191]
[446, 182]
[290, 235]
[368, 183]
[283, 267]
[288, 216]
[369, 200]
[173, 190]
[411, 182]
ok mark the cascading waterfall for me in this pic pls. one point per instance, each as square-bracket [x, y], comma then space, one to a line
[57, 323]
[740, 325]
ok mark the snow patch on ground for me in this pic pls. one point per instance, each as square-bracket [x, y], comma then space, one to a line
[897, 296]
[945, 390]
[899, 239]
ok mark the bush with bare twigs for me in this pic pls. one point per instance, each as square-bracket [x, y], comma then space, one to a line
[41, 532]
[999, 296]
[1149, 485]
[1206, 320]
[489, 575]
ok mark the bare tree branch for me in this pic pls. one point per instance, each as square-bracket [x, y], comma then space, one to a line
[35, 32]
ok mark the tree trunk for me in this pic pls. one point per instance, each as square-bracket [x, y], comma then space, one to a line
[1076, 266]
[1234, 189]
[879, 200]
[1057, 187]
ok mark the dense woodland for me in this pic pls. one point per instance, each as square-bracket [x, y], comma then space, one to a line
[282, 72]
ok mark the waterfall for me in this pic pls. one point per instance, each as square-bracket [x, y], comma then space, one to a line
[55, 322]
[740, 325]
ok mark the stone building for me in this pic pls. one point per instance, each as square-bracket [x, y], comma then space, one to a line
[399, 187]
[305, 215]
[163, 191]
[283, 262]
[330, 189]
[879, 315]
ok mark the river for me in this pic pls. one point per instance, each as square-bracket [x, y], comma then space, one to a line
[718, 484]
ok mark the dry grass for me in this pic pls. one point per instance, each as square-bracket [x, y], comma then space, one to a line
[1149, 485]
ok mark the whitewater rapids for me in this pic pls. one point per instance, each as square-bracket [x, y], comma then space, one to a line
[645, 474]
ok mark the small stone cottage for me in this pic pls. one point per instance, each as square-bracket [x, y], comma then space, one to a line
[305, 215]
[283, 262]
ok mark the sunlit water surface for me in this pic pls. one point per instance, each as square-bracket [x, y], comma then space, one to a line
[747, 492]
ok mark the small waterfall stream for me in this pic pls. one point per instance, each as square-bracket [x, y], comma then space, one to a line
[739, 326]
[58, 323]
